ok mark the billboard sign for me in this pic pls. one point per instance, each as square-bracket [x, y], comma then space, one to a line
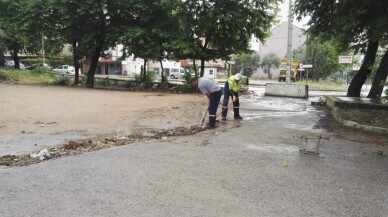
[345, 59]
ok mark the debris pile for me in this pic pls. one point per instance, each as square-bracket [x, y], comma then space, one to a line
[87, 145]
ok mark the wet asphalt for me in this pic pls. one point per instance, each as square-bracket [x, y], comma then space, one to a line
[251, 167]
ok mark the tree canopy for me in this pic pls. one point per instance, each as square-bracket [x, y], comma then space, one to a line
[361, 25]
[151, 29]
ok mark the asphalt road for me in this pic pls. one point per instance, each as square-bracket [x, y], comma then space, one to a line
[243, 168]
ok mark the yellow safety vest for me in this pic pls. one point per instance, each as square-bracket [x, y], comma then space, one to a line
[233, 85]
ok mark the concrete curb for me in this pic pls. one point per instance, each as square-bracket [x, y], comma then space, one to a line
[355, 125]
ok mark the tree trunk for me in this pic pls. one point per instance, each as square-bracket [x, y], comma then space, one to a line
[145, 70]
[93, 66]
[195, 69]
[96, 53]
[75, 59]
[380, 78]
[202, 67]
[161, 66]
[15, 57]
[359, 78]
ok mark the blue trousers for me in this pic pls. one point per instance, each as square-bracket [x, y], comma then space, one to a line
[236, 105]
[213, 105]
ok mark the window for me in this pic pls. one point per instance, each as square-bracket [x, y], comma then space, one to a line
[210, 72]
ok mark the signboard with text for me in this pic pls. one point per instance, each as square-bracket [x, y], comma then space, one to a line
[345, 59]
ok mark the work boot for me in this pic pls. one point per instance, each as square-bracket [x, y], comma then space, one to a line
[238, 117]
[209, 127]
[223, 118]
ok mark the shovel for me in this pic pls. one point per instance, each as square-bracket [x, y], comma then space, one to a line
[224, 109]
[203, 119]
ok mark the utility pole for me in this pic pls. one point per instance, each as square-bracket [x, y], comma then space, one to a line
[44, 62]
[289, 44]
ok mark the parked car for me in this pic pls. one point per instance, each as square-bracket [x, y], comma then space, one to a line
[174, 72]
[65, 69]
[35, 65]
[11, 64]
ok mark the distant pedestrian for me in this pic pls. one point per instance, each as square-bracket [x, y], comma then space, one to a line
[231, 88]
[213, 92]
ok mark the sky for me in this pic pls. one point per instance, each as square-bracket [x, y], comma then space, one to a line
[283, 17]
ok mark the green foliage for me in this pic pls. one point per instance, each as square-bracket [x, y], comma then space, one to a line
[217, 29]
[355, 115]
[247, 63]
[40, 70]
[62, 80]
[103, 82]
[165, 80]
[150, 76]
[270, 60]
[128, 84]
[187, 77]
[323, 85]
[26, 77]
[187, 88]
[323, 55]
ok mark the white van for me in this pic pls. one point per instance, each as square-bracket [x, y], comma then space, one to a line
[174, 72]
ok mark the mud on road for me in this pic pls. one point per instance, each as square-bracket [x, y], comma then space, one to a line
[51, 117]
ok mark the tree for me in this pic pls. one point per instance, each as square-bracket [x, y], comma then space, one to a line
[14, 37]
[269, 60]
[380, 78]
[154, 35]
[361, 24]
[216, 29]
[248, 63]
[323, 55]
[3, 47]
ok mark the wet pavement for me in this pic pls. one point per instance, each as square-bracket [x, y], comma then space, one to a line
[251, 167]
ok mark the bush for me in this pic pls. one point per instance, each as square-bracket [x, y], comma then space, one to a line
[40, 70]
[165, 80]
[103, 82]
[150, 76]
[62, 80]
[187, 88]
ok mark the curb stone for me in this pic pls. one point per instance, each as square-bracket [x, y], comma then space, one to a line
[355, 125]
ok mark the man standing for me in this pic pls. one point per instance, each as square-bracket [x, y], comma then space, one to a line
[232, 86]
[213, 92]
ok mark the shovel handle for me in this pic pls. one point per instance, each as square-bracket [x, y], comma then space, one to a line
[225, 109]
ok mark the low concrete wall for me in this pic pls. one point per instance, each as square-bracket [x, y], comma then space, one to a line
[354, 103]
[287, 90]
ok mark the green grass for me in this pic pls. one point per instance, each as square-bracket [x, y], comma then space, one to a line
[323, 85]
[37, 76]
[355, 115]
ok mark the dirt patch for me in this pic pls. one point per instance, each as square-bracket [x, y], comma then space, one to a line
[328, 123]
[37, 117]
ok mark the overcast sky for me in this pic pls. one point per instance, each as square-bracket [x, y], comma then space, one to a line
[283, 16]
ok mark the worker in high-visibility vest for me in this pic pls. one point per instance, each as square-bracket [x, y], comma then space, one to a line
[231, 88]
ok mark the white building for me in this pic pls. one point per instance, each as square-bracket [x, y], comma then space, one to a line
[277, 43]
